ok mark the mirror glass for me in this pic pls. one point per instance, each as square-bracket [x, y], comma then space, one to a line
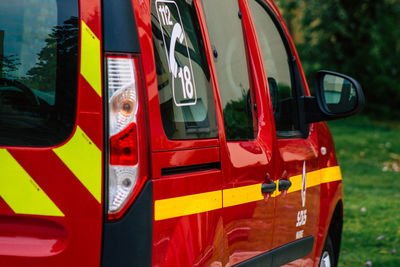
[339, 94]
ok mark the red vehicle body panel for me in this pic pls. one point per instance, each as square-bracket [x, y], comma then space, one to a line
[73, 238]
[220, 233]
[241, 231]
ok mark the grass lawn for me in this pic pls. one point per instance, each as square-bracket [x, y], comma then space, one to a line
[369, 154]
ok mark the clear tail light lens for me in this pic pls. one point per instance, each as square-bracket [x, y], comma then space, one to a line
[123, 108]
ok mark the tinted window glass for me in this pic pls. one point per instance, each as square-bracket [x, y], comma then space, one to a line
[226, 37]
[276, 62]
[38, 71]
[184, 87]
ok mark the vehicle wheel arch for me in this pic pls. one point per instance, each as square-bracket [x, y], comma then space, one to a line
[335, 228]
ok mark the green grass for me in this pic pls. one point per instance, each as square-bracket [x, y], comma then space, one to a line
[369, 155]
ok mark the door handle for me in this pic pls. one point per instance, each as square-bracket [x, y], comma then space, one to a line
[268, 188]
[284, 185]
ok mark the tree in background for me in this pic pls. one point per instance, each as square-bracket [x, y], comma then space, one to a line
[360, 38]
[61, 46]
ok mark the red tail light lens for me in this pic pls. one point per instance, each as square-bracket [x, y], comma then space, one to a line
[123, 147]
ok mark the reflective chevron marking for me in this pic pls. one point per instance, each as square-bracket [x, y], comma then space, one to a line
[21, 193]
[90, 58]
[83, 158]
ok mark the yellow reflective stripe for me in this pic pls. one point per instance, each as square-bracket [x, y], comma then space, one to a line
[21, 192]
[192, 204]
[296, 183]
[83, 158]
[187, 205]
[331, 174]
[242, 195]
[90, 58]
[312, 179]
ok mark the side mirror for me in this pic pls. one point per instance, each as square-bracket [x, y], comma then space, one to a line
[338, 95]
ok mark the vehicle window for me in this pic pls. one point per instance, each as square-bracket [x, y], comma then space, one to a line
[277, 65]
[184, 86]
[226, 37]
[38, 71]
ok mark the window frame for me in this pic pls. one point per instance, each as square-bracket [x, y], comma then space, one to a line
[211, 114]
[297, 85]
[250, 73]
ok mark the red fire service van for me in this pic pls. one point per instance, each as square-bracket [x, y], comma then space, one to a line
[167, 133]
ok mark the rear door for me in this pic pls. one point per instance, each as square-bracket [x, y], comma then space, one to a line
[50, 133]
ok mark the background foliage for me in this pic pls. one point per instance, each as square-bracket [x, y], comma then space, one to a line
[360, 38]
[369, 156]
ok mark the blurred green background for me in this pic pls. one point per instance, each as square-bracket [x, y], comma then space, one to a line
[360, 38]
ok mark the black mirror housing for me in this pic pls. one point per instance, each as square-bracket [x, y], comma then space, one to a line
[337, 96]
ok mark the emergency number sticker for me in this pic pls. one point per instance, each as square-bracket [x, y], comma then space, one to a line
[175, 44]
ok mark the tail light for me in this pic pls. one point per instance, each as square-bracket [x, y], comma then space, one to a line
[123, 105]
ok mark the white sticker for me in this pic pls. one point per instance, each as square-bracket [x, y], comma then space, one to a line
[302, 214]
[301, 218]
[183, 85]
[299, 234]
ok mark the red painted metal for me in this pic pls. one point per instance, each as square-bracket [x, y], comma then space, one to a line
[32, 240]
[193, 240]
[36, 237]
[220, 237]
[179, 158]
[249, 229]
[331, 194]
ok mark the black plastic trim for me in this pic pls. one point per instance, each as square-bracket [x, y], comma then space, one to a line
[315, 107]
[284, 184]
[128, 242]
[268, 188]
[282, 255]
[191, 168]
[321, 100]
[120, 31]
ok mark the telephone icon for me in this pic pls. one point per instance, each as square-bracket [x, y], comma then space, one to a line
[177, 34]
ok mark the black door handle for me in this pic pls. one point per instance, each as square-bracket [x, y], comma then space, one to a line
[284, 185]
[268, 188]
